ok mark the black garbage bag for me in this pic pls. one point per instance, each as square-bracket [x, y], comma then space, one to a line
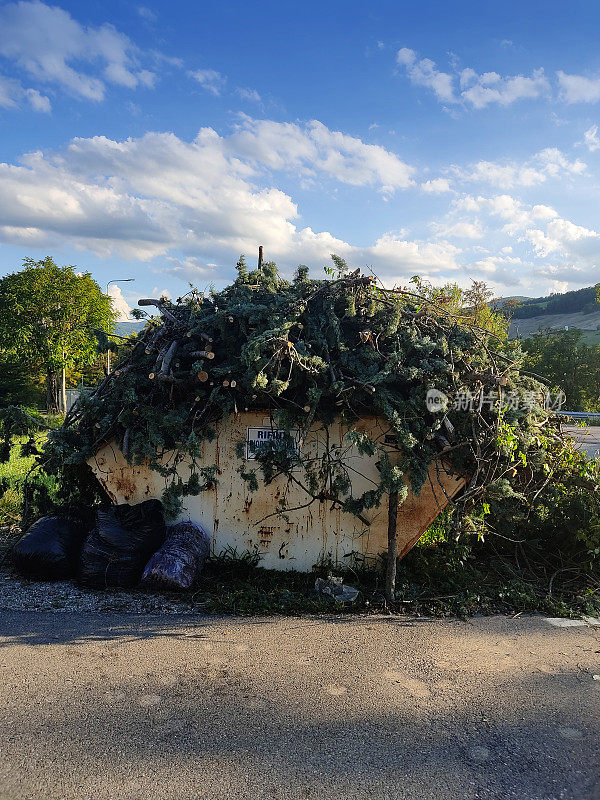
[115, 552]
[180, 559]
[50, 548]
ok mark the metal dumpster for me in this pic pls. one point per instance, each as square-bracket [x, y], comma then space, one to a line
[313, 533]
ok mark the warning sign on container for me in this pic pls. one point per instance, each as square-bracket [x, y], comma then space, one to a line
[259, 437]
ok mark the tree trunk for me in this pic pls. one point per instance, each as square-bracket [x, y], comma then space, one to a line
[392, 552]
[52, 392]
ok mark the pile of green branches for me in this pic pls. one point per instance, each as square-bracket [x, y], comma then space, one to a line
[308, 352]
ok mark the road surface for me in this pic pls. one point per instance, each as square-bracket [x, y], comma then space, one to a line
[115, 707]
[587, 438]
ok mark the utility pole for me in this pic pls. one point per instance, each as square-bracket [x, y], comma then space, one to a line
[118, 280]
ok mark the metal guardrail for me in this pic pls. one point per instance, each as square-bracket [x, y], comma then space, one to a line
[579, 414]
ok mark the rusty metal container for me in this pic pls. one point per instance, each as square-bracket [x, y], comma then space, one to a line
[312, 534]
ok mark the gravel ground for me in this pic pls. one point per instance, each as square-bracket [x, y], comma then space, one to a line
[19, 594]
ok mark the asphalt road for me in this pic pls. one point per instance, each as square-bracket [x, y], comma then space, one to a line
[587, 438]
[112, 707]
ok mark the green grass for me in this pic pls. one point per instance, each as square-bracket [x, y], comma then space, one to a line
[438, 578]
[13, 473]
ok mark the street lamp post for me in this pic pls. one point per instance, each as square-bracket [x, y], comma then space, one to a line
[119, 280]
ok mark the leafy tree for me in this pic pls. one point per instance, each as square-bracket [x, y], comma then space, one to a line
[17, 385]
[48, 315]
[565, 363]
[583, 300]
[468, 306]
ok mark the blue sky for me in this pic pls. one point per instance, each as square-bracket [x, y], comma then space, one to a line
[157, 141]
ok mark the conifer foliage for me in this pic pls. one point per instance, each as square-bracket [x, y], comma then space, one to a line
[308, 352]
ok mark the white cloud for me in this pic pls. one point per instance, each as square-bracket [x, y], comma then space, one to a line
[156, 292]
[459, 230]
[500, 270]
[578, 88]
[558, 287]
[52, 47]
[423, 72]
[490, 87]
[425, 258]
[12, 94]
[38, 102]
[537, 232]
[120, 305]
[477, 90]
[545, 230]
[591, 139]
[312, 148]
[548, 163]
[209, 79]
[201, 203]
[141, 198]
[198, 204]
[249, 94]
[436, 186]
[565, 237]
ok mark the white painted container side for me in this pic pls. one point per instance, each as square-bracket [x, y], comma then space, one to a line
[314, 533]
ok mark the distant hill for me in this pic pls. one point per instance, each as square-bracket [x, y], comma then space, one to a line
[581, 300]
[578, 309]
[128, 328]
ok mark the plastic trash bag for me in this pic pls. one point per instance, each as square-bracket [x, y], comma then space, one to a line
[50, 548]
[335, 588]
[180, 559]
[124, 537]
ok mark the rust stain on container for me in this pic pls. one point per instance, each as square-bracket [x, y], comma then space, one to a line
[125, 485]
[265, 535]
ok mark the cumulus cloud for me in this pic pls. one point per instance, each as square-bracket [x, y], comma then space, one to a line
[53, 48]
[312, 148]
[489, 87]
[548, 163]
[538, 233]
[564, 236]
[210, 80]
[468, 86]
[120, 305]
[436, 186]
[578, 88]
[197, 204]
[423, 72]
[546, 231]
[143, 198]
